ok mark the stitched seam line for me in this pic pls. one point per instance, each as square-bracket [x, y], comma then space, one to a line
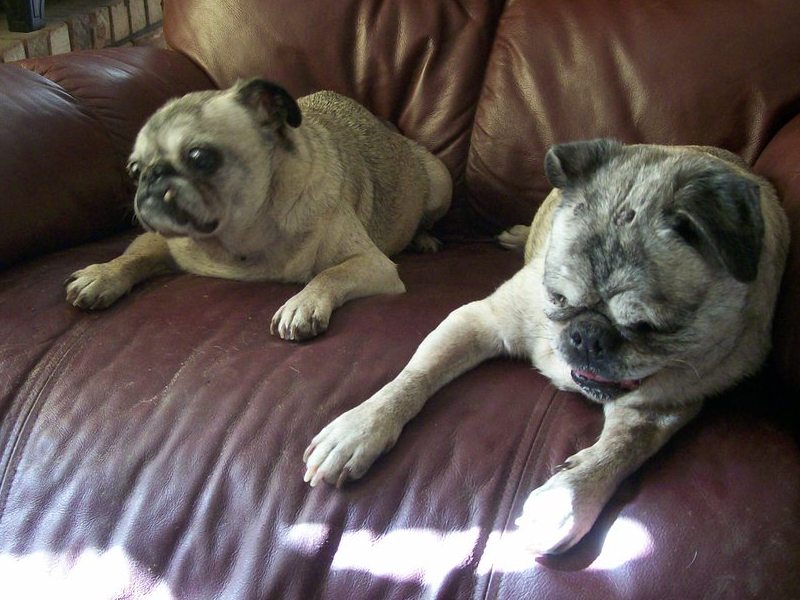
[532, 457]
[18, 436]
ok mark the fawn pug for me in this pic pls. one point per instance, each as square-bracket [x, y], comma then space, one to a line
[247, 183]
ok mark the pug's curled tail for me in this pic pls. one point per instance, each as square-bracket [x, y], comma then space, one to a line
[514, 238]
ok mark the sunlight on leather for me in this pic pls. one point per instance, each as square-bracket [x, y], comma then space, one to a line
[509, 552]
[308, 538]
[422, 555]
[427, 555]
[84, 576]
[417, 554]
[626, 541]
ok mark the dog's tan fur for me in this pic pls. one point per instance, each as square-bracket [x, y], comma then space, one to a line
[324, 204]
[512, 321]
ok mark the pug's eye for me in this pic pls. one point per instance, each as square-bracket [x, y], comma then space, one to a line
[134, 171]
[557, 299]
[642, 327]
[203, 159]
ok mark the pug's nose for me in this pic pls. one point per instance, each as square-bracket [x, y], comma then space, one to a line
[158, 171]
[593, 337]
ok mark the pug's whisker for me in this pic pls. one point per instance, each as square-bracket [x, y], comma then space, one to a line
[686, 364]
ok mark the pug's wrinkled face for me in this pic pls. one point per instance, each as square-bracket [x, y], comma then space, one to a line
[202, 163]
[649, 261]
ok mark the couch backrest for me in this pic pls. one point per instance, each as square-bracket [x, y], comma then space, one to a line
[537, 72]
[418, 63]
[679, 72]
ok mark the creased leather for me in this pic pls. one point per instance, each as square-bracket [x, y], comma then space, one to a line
[153, 450]
[679, 72]
[68, 124]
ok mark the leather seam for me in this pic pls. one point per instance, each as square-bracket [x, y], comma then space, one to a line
[532, 459]
[18, 436]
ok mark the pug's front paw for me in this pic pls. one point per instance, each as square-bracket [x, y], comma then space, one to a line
[348, 445]
[557, 515]
[302, 316]
[95, 287]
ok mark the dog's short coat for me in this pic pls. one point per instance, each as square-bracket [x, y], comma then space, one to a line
[649, 284]
[246, 183]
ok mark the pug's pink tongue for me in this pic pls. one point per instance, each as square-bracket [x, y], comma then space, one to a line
[626, 384]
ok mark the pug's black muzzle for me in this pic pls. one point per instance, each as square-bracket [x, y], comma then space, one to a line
[157, 201]
[590, 344]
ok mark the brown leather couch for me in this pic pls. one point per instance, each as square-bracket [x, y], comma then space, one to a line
[153, 450]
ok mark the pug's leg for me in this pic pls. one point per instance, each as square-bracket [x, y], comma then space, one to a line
[514, 238]
[559, 513]
[348, 446]
[425, 243]
[307, 313]
[440, 191]
[100, 285]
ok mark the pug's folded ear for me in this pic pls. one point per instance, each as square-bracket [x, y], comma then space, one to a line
[718, 212]
[572, 163]
[272, 105]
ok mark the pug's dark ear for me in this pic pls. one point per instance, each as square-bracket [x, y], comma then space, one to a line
[574, 162]
[718, 212]
[272, 105]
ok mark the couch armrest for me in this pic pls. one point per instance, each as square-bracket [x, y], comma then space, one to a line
[67, 125]
[780, 163]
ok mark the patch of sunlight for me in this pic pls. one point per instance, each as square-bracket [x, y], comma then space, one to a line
[422, 555]
[507, 552]
[308, 538]
[428, 556]
[625, 541]
[89, 575]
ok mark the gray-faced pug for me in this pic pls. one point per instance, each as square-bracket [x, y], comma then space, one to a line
[245, 183]
[650, 279]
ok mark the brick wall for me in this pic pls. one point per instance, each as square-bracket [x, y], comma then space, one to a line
[84, 24]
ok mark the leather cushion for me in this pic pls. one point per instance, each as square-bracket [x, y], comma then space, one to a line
[159, 442]
[679, 72]
[68, 125]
